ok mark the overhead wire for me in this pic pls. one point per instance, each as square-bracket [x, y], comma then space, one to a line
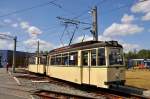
[86, 11]
[30, 8]
[44, 4]
[112, 10]
[73, 35]
[66, 26]
[118, 8]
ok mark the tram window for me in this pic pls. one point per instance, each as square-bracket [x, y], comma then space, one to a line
[85, 58]
[65, 60]
[32, 60]
[73, 58]
[42, 60]
[115, 56]
[93, 57]
[58, 60]
[101, 56]
[52, 60]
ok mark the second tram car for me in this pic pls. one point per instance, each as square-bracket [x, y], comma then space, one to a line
[98, 63]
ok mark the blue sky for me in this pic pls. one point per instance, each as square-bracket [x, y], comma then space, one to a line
[129, 25]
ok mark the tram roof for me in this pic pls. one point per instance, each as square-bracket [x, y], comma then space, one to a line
[85, 45]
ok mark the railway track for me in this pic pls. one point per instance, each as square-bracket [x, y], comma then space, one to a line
[44, 94]
[95, 92]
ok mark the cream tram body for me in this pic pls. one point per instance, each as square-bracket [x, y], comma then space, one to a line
[93, 63]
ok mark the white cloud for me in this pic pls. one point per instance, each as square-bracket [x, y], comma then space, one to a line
[126, 46]
[15, 25]
[61, 45]
[24, 25]
[34, 31]
[122, 29]
[87, 38]
[100, 38]
[105, 38]
[143, 7]
[32, 43]
[10, 23]
[146, 17]
[127, 18]
[6, 33]
[84, 38]
[129, 47]
[7, 21]
[6, 45]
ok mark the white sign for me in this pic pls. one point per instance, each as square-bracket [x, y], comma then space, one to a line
[71, 57]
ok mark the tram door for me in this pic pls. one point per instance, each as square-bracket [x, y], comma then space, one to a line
[86, 67]
[44, 63]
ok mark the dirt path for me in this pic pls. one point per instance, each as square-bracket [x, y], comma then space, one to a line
[10, 89]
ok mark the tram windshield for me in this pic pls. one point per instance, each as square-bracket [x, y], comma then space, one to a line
[115, 56]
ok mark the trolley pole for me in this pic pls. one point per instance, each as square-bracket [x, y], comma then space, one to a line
[95, 24]
[14, 55]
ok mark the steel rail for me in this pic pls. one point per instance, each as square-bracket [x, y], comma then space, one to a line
[60, 95]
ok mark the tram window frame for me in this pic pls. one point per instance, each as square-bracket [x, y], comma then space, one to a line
[103, 56]
[95, 54]
[58, 60]
[49, 60]
[83, 57]
[42, 60]
[118, 59]
[73, 59]
[32, 60]
[65, 61]
[53, 59]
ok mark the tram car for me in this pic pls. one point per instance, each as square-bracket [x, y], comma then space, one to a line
[98, 63]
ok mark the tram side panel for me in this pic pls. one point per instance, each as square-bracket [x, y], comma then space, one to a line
[98, 76]
[36, 68]
[41, 69]
[33, 68]
[116, 75]
[67, 73]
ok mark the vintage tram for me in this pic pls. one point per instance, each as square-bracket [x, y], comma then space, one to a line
[98, 63]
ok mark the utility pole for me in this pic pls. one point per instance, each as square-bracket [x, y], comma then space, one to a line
[38, 48]
[94, 30]
[14, 55]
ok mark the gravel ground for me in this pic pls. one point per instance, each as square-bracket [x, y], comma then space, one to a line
[52, 86]
[55, 87]
[28, 85]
